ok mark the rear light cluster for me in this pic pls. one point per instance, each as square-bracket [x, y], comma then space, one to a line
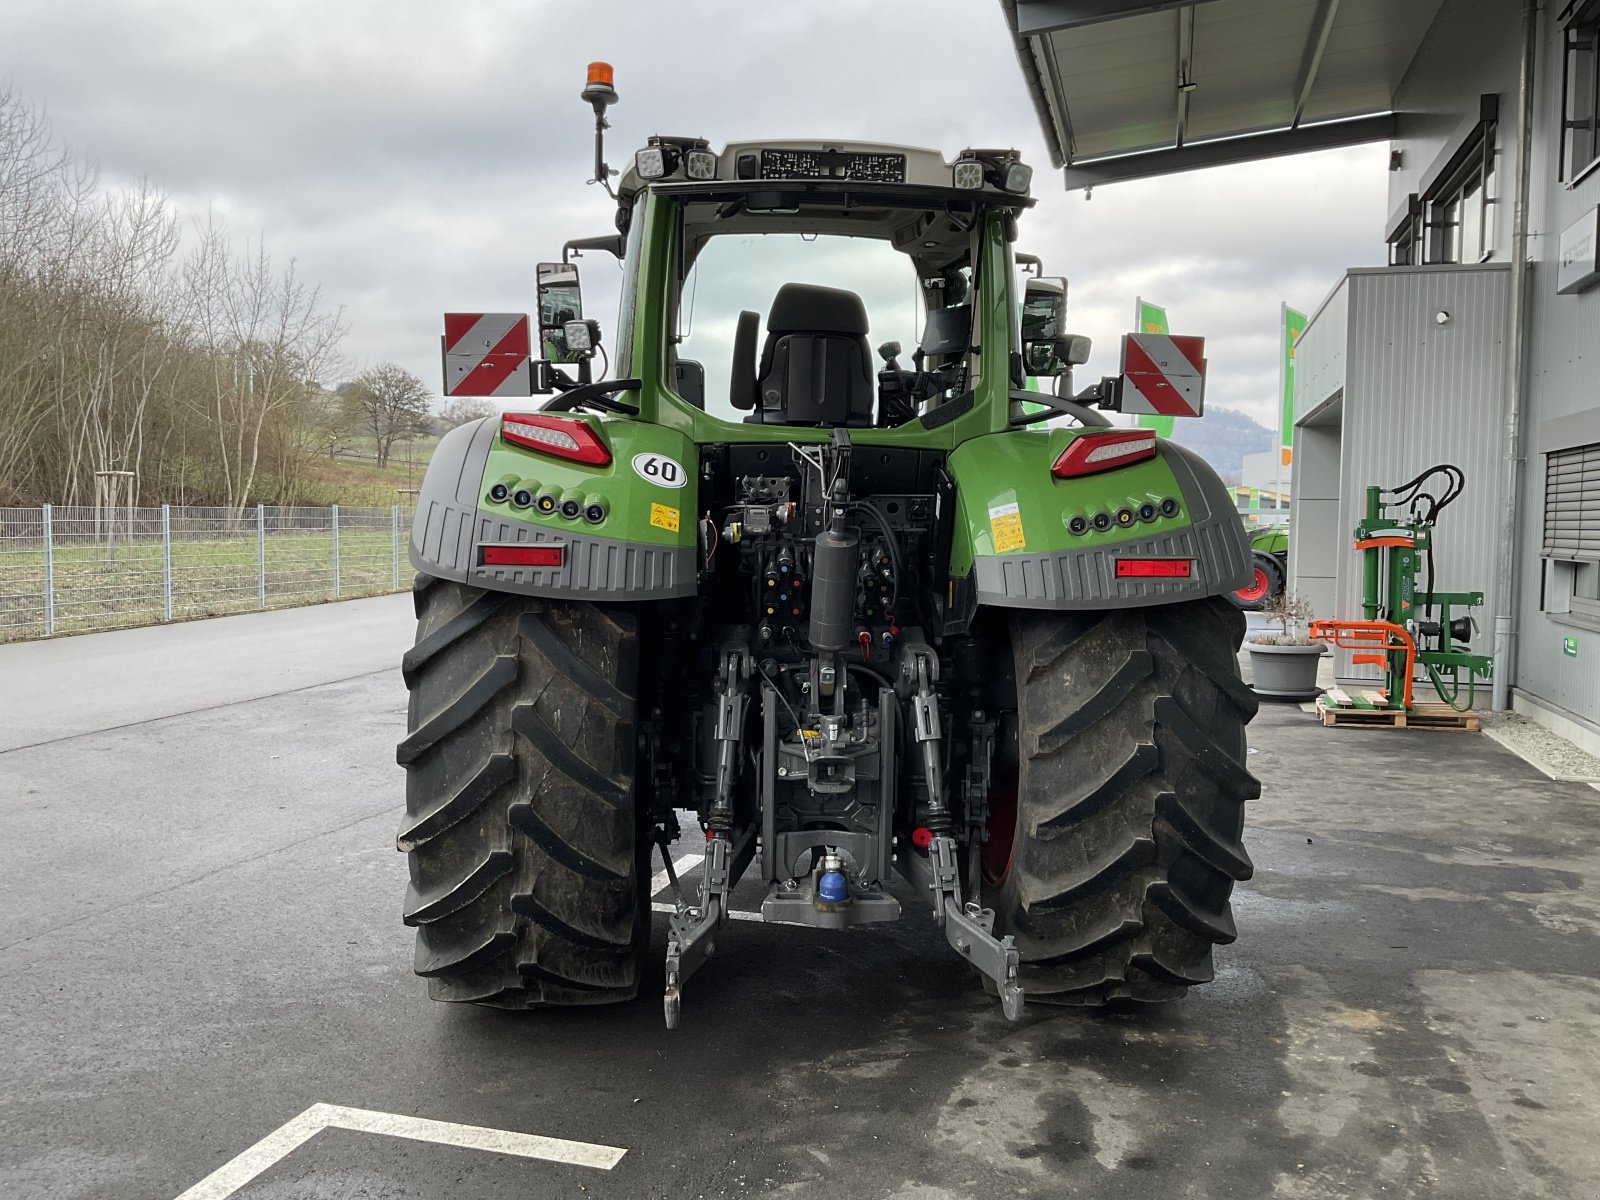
[559, 437]
[1104, 450]
[1149, 512]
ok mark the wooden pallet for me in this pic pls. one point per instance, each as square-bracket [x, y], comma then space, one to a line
[1423, 715]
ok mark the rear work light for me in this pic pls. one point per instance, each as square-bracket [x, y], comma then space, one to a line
[1154, 568]
[1091, 453]
[522, 556]
[561, 437]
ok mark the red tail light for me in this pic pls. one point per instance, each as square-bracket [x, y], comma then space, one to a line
[522, 556]
[560, 437]
[1091, 453]
[1154, 568]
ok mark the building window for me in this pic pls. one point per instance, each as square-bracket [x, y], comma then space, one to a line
[1571, 547]
[1405, 234]
[1459, 228]
[1580, 89]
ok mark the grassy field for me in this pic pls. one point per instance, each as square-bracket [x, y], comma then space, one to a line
[353, 481]
[218, 572]
[218, 565]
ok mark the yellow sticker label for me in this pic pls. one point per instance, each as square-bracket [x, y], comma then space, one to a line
[663, 517]
[1005, 527]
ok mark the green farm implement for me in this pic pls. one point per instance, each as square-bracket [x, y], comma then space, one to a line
[1404, 628]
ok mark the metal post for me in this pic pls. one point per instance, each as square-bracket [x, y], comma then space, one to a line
[394, 545]
[49, 575]
[336, 551]
[1509, 539]
[166, 562]
[261, 556]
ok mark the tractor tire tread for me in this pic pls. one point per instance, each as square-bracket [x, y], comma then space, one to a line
[1131, 800]
[526, 843]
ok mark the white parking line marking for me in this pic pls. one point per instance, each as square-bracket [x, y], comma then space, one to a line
[284, 1140]
[687, 863]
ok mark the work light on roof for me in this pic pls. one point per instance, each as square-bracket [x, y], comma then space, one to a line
[651, 162]
[1018, 176]
[969, 174]
[700, 164]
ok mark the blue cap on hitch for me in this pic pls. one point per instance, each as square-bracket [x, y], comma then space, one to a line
[832, 888]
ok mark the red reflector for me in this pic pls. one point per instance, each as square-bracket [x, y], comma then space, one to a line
[522, 556]
[1154, 568]
[1091, 453]
[563, 437]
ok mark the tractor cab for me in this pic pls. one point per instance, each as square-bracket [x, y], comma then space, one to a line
[793, 260]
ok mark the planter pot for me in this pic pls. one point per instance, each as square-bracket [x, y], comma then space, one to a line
[1285, 672]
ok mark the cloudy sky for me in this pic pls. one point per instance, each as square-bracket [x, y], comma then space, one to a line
[418, 156]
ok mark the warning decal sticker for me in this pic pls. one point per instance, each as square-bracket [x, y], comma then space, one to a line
[663, 517]
[1005, 526]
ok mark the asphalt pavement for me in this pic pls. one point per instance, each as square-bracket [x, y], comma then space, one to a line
[202, 964]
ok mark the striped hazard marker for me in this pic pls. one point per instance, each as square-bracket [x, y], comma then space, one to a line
[487, 354]
[1163, 374]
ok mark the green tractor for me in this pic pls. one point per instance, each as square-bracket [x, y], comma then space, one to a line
[1269, 567]
[912, 635]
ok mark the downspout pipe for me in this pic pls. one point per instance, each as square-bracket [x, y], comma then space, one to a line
[1509, 542]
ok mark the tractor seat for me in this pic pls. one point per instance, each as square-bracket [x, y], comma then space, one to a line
[815, 367]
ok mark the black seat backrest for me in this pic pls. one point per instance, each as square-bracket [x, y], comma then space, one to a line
[815, 367]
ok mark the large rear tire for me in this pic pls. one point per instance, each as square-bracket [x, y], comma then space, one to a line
[1129, 800]
[524, 831]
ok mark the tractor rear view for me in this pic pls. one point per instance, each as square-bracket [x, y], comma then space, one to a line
[881, 632]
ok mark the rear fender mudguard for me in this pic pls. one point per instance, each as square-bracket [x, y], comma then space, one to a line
[643, 548]
[1014, 535]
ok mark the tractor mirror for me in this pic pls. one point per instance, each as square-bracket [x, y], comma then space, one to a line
[1044, 310]
[560, 302]
[1057, 355]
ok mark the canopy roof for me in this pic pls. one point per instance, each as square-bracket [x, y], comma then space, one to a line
[1126, 89]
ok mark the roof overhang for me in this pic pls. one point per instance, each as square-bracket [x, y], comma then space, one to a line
[1127, 89]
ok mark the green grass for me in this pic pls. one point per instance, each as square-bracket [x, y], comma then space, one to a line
[352, 482]
[97, 587]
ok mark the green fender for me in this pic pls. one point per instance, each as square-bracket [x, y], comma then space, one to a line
[643, 548]
[1014, 535]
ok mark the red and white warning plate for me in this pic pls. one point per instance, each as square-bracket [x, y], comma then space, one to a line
[1163, 374]
[487, 354]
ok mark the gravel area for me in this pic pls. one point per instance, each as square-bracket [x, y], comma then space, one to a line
[1550, 752]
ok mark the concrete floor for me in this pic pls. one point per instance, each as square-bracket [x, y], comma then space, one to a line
[200, 939]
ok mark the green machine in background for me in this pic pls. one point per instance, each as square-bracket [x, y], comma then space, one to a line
[1269, 568]
[1400, 629]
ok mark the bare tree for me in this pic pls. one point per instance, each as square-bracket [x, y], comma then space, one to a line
[463, 409]
[198, 375]
[266, 339]
[390, 403]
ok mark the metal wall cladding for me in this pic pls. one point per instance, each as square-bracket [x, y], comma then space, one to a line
[1320, 354]
[1563, 380]
[1418, 390]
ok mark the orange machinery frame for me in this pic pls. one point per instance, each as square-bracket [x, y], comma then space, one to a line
[1375, 641]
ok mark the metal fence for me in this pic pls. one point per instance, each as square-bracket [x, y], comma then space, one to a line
[77, 569]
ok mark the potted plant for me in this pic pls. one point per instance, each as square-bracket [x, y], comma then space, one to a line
[1283, 665]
